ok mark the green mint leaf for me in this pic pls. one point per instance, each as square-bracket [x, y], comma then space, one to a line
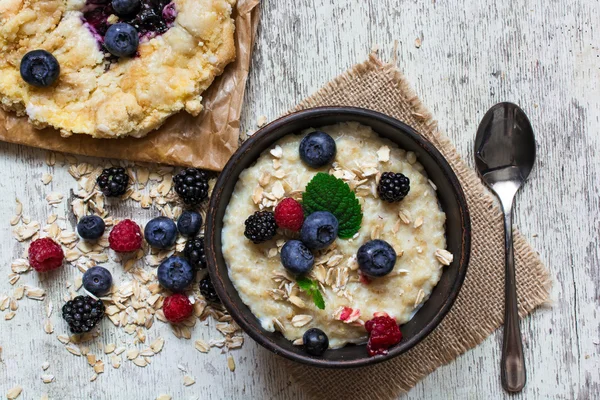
[327, 193]
[306, 284]
[318, 299]
[312, 289]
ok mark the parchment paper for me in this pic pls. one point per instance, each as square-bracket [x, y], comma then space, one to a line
[206, 141]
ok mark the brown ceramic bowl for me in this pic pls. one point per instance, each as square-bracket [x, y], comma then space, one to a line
[451, 198]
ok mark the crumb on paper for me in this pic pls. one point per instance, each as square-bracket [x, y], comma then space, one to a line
[418, 43]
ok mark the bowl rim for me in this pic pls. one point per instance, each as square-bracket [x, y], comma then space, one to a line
[239, 316]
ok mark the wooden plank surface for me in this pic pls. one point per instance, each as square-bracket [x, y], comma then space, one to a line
[541, 54]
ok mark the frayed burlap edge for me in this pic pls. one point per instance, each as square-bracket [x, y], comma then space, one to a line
[404, 372]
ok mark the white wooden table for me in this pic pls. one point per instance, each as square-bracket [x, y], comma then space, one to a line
[542, 55]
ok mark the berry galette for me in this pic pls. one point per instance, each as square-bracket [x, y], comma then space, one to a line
[111, 68]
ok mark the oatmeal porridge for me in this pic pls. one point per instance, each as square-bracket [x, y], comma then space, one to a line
[413, 227]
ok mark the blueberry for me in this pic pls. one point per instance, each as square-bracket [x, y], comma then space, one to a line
[317, 149]
[97, 281]
[125, 8]
[315, 342]
[296, 257]
[376, 258]
[39, 68]
[319, 230]
[91, 227]
[189, 223]
[161, 232]
[175, 274]
[121, 40]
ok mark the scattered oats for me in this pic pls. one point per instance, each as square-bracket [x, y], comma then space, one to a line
[98, 257]
[157, 345]
[181, 368]
[19, 207]
[396, 227]
[46, 178]
[54, 198]
[411, 157]
[216, 343]
[48, 328]
[8, 316]
[276, 164]
[15, 220]
[91, 359]
[297, 301]
[24, 232]
[376, 232]
[278, 190]
[383, 154]
[420, 297]
[115, 361]
[163, 397]
[418, 222]
[14, 392]
[299, 321]
[132, 353]
[94, 377]
[71, 348]
[50, 158]
[99, 367]
[13, 278]
[45, 365]
[272, 252]
[298, 342]
[64, 339]
[47, 378]
[261, 121]
[418, 43]
[444, 256]
[34, 293]
[140, 361]
[188, 380]
[276, 152]
[202, 346]
[370, 171]
[404, 216]
[44, 397]
[236, 342]
[120, 350]
[145, 201]
[231, 363]
[19, 266]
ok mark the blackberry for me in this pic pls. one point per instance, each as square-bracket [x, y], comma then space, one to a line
[83, 313]
[208, 290]
[191, 185]
[260, 226]
[194, 252]
[393, 187]
[113, 181]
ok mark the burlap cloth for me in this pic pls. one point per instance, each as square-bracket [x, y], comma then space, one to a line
[479, 309]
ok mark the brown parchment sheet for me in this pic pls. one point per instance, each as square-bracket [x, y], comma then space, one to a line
[206, 141]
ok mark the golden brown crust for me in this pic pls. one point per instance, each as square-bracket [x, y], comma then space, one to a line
[132, 97]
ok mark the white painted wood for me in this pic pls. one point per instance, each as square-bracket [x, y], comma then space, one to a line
[543, 55]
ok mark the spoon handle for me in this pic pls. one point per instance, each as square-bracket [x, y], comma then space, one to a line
[513, 362]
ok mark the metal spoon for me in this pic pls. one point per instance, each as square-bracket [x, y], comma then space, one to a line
[504, 155]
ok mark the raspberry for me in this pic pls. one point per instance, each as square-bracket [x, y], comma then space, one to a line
[126, 236]
[45, 255]
[177, 308]
[384, 333]
[289, 214]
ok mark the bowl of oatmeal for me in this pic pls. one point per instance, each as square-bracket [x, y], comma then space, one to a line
[337, 237]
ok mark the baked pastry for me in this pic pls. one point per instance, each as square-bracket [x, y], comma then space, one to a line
[183, 46]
